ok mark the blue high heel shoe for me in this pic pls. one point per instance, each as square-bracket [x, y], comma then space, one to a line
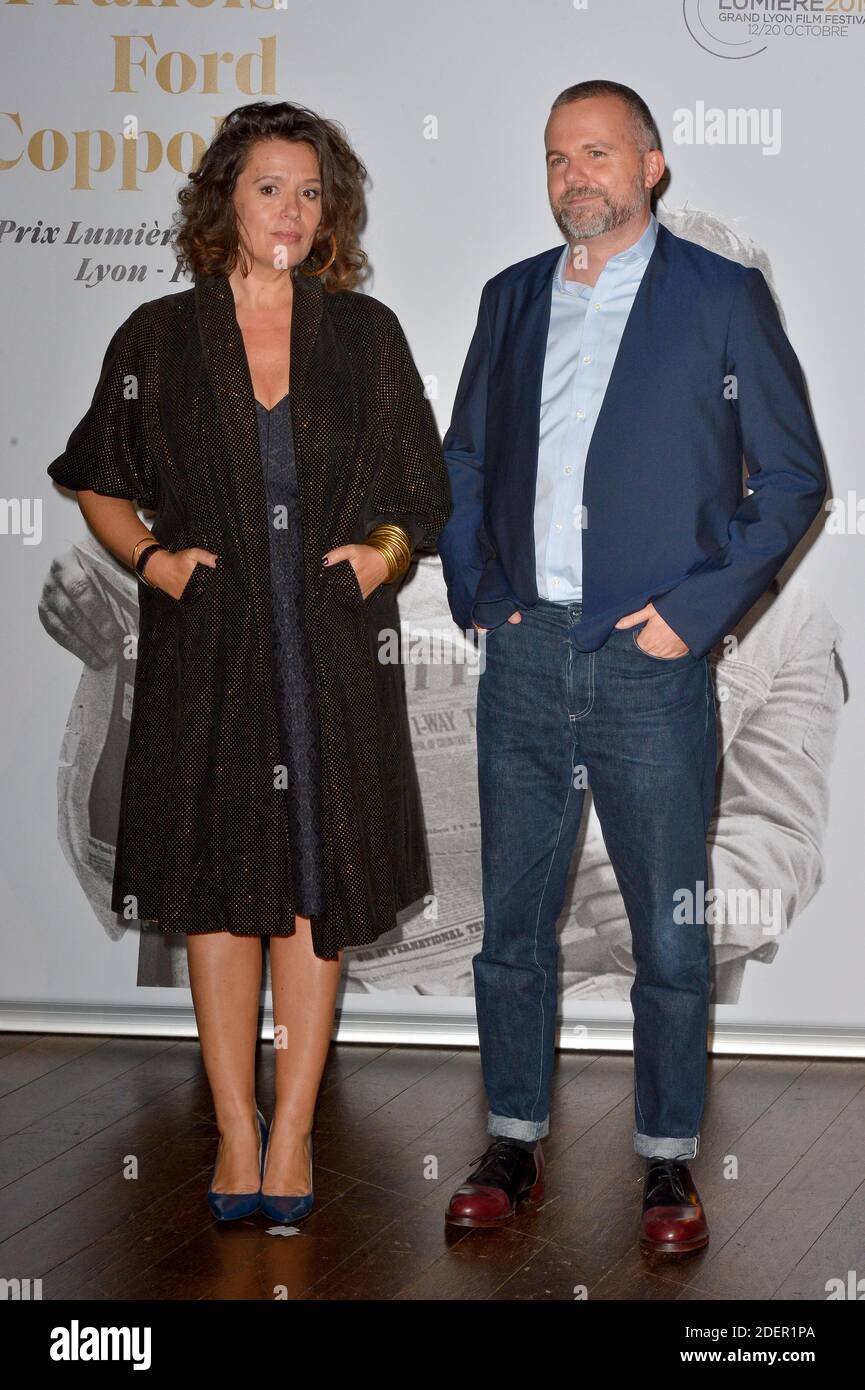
[229, 1206]
[289, 1210]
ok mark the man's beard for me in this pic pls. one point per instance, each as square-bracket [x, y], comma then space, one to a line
[575, 223]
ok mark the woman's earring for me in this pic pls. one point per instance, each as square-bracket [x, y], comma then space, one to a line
[328, 263]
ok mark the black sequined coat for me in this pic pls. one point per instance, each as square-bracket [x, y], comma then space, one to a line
[203, 842]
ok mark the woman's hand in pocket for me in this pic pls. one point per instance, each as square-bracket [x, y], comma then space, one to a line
[170, 570]
[369, 565]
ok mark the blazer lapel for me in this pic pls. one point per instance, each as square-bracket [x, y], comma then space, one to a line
[521, 370]
[528, 334]
[642, 334]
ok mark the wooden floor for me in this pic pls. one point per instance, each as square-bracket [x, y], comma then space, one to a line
[396, 1130]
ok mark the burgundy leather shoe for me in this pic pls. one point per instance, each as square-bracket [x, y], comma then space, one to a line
[506, 1175]
[673, 1220]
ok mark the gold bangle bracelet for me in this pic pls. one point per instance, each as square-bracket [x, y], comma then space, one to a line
[389, 556]
[394, 543]
[391, 532]
[397, 561]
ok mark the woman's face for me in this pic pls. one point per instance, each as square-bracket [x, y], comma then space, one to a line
[277, 201]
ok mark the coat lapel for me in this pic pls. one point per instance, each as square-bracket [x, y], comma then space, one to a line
[240, 448]
[231, 382]
[305, 323]
[225, 354]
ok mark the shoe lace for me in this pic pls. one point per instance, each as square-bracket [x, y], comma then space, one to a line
[499, 1149]
[667, 1171]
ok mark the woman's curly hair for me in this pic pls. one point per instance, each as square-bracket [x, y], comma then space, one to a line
[205, 233]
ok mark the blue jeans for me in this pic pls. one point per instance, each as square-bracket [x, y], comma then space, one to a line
[643, 729]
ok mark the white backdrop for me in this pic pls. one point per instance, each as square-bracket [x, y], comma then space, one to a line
[446, 105]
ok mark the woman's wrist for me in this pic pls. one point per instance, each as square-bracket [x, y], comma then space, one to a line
[142, 555]
[147, 539]
[394, 544]
[144, 560]
[385, 564]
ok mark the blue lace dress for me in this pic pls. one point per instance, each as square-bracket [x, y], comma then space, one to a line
[292, 663]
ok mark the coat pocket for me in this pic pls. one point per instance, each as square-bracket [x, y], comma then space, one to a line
[201, 582]
[340, 580]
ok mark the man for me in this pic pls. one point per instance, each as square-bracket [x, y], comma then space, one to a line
[602, 542]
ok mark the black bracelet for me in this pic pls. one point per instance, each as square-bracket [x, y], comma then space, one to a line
[142, 561]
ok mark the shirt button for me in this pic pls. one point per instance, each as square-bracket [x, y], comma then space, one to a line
[558, 526]
[581, 415]
[597, 307]
[587, 358]
[567, 468]
[555, 581]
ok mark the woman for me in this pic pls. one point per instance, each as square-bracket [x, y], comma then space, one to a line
[274, 420]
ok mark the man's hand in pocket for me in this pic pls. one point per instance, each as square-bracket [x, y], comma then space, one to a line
[515, 617]
[659, 637]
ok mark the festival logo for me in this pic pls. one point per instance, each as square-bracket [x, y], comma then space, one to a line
[743, 28]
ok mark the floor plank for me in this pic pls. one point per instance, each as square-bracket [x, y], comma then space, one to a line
[107, 1147]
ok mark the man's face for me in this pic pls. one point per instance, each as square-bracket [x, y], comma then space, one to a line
[597, 178]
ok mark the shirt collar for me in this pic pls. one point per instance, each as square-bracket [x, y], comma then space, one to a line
[637, 254]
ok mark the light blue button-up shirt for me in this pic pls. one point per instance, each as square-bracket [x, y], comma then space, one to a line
[586, 327]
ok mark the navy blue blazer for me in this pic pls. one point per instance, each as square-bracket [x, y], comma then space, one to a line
[704, 377]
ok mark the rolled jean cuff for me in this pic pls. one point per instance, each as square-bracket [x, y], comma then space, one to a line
[517, 1129]
[651, 1147]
